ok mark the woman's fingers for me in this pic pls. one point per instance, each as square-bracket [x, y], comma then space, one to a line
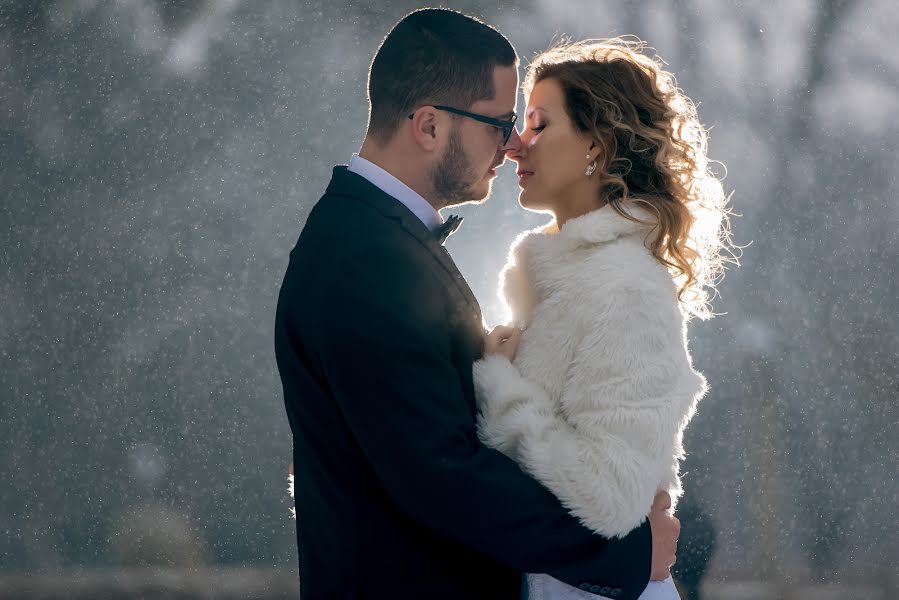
[497, 337]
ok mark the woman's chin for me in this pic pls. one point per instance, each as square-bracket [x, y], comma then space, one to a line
[527, 203]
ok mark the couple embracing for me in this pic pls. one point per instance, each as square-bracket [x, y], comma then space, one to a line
[540, 460]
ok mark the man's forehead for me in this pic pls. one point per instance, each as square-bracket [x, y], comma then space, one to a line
[505, 97]
[505, 81]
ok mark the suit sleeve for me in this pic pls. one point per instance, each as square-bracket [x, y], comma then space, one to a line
[385, 349]
[615, 439]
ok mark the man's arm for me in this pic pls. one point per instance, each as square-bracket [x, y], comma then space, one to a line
[385, 349]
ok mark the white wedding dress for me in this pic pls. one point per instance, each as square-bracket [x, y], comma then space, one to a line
[544, 587]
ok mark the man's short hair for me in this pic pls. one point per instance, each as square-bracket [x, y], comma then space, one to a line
[433, 56]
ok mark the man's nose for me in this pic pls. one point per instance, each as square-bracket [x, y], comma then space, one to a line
[513, 146]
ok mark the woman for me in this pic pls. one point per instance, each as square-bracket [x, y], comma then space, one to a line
[595, 400]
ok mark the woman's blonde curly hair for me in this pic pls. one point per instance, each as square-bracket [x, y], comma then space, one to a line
[653, 154]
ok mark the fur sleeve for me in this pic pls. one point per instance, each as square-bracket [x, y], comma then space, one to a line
[616, 438]
[505, 400]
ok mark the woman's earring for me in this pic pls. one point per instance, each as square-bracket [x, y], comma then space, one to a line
[590, 168]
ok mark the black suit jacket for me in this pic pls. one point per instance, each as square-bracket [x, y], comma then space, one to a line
[375, 336]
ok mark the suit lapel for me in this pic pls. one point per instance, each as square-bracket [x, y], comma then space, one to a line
[346, 183]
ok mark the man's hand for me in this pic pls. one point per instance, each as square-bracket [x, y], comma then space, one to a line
[665, 531]
[503, 340]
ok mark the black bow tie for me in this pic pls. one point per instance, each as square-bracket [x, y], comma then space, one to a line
[448, 228]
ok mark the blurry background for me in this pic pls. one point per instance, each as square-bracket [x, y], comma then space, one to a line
[158, 160]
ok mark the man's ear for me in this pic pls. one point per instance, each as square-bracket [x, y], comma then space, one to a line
[425, 127]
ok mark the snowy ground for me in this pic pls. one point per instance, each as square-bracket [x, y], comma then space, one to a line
[271, 584]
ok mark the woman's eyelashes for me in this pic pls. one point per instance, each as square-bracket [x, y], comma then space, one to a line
[538, 128]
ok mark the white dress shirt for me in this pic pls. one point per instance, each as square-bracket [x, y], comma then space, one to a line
[395, 188]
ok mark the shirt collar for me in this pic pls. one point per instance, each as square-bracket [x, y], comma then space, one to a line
[395, 188]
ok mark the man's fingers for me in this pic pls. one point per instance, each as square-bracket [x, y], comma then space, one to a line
[665, 530]
[662, 501]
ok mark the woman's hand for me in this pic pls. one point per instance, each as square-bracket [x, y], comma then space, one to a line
[503, 340]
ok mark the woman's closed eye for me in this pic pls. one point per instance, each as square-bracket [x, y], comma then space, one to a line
[538, 128]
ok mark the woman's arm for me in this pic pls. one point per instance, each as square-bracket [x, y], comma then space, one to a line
[629, 392]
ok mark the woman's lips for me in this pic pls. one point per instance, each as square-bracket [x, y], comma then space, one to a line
[524, 176]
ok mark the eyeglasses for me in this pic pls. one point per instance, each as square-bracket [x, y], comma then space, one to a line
[507, 126]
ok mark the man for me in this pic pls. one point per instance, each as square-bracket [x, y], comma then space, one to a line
[375, 337]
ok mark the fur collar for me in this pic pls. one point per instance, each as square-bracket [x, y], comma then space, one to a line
[537, 257]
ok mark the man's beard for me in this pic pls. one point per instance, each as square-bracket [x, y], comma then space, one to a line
[451, 175]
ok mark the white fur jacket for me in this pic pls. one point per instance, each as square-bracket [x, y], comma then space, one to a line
[602, 386]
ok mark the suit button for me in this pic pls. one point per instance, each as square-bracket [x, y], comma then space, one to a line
[594, 589]
[585, 587]
[616, 592]
[605, 591]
